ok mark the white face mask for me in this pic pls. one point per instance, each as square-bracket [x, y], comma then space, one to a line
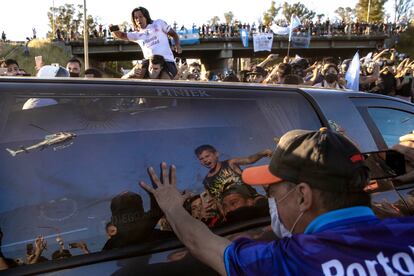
[277, 226]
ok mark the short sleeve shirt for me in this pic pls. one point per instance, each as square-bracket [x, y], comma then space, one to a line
[360, 245]
[153, 40]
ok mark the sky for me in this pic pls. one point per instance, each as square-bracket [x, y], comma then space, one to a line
[20, 16]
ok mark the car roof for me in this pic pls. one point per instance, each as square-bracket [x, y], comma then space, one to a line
[7, 84]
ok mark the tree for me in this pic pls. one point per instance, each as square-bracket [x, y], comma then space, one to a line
[228, 17]
[376, 13]
[69, 18]
[299, 9]
[270, 14]
[214, 20]
[345, 14]
[403, 9]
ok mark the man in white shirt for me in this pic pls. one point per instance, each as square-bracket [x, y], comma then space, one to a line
[152, 37]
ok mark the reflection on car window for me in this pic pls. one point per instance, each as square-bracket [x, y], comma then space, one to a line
[70, 169]
[392, 123]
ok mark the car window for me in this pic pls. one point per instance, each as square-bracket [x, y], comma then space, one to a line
[392, 123]
[71, 166]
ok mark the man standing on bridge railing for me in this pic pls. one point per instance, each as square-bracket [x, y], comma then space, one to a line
[152, 37]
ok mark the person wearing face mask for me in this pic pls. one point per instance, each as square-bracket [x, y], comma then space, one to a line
[330, 74]
[319, 209]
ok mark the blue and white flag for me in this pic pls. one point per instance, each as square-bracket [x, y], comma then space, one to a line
[189, 37]
[352, 75]
[301, 40]
[294, 23]
[244, 36]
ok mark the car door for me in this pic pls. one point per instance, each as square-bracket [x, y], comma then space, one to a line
[388, 119]
[75, 189]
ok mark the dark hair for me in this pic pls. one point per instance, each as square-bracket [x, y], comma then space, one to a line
[202, 148]
[194, 64]
[188, 202]
[293, 79]
[242, 190]
[331, 65]
[284, 69]
[158, 59]
[94, 71]
[10, 61]
[75, 60]
[144, 12]
[231, 78]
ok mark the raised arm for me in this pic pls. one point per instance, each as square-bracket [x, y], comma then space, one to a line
[195, 235]
[119, 34]
[176, 38]
[252, 158]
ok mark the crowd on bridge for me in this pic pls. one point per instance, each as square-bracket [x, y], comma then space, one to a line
[232, 30]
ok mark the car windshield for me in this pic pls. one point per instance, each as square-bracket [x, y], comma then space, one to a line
[71, 166]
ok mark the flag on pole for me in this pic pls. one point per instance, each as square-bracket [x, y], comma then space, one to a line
[244, 36]
[352, 75]
[294, 23]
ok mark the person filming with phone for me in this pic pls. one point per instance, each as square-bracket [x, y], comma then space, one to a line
[151, 36]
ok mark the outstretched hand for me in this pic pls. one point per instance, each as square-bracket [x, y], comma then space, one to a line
[165, 189]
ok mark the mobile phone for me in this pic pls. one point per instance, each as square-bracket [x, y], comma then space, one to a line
[114, 28]
[38, 61]
[3, 71]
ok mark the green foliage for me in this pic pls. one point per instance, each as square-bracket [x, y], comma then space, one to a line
[404, 9]
[51, 53]
[406, 44]
[68, 18]
[376, 13]
[299, 9]
[228, 17]
[270, 14]
[345, 14]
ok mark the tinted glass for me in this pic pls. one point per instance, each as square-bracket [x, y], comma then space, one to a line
[70, 166]
[392, 123]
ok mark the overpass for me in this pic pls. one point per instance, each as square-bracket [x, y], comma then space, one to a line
[215, 52]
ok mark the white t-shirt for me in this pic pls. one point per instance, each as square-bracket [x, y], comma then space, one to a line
[154, 40]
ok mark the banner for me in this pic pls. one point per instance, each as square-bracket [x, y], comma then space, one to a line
[244, 36]
[262, 42]
[300, 40]
[189, 37]
[352, 75]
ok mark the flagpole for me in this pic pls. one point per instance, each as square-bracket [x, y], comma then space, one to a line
[85, 37]
[288, 48]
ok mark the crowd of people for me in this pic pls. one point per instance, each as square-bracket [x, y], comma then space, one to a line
[232, 30]
[230, 193]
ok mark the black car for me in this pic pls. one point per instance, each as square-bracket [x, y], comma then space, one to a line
[72, 153]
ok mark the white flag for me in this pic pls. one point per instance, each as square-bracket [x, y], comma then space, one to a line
[352, 75]
[294, 23]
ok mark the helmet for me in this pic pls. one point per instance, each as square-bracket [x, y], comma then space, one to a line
[52, 71]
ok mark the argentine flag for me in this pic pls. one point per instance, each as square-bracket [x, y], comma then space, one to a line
[352, 75]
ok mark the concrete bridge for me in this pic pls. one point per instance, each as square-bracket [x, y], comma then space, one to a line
[215, 52]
